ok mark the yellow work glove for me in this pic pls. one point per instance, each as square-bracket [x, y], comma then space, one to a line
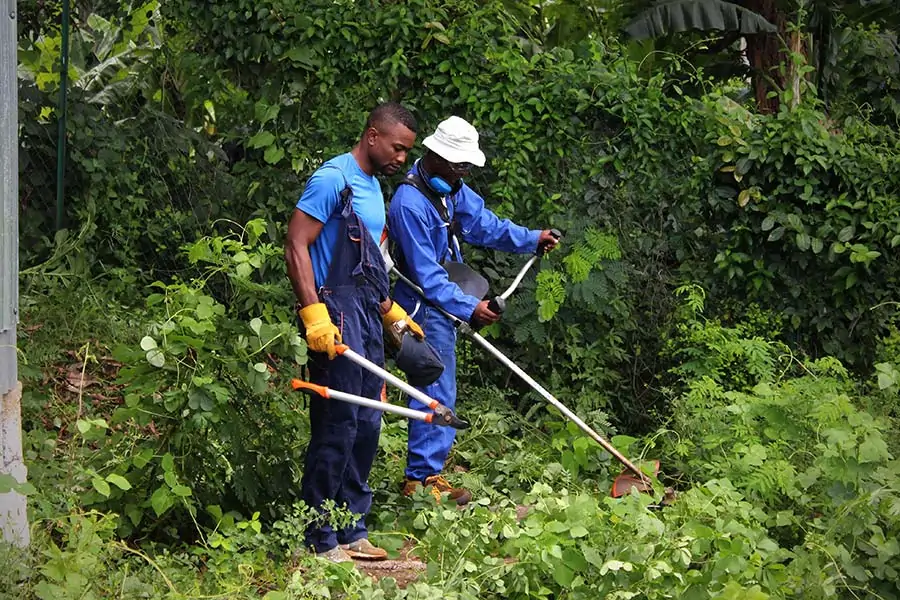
[396, 320]
[321, 333]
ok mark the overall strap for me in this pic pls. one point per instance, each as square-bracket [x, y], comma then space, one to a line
[345, 206]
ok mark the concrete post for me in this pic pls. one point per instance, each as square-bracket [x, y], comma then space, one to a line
[13, 518]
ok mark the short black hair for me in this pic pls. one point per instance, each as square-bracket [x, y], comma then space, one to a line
[389, 113]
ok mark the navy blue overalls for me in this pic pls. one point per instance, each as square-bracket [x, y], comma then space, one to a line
[344, 437]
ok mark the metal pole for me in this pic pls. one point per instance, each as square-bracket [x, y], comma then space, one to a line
[61, 135]
[13, 518]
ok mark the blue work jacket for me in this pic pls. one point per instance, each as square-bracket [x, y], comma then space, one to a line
[421, 235]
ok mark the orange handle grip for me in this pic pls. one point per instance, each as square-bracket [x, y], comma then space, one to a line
[301, 385]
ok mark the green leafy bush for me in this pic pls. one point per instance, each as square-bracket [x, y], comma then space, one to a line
[793, 440]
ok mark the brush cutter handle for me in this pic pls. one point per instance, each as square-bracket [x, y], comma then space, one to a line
[542, 248]
[444, 416]
[497, 304]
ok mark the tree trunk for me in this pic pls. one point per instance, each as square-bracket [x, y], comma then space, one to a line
[766, 54]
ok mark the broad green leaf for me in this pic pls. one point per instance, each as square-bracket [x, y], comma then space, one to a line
[168, 462]
[593, 556]
[623, 442]
[262, 139]
[556, 527]
[82, 426]
[118, 481]
[676, 16]
[578, 531]
[243, 270]
[161, 500]
[273, 154]
[255, 325]
[204, 311]
[768, 223]
[615, 565]
[563, 575]
[101, 486]
[8, 483]
[143, 458]
[873, 449]
[156, 358]
[574, 559]
[147, 343]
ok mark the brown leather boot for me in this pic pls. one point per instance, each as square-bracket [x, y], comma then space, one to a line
[438, 485]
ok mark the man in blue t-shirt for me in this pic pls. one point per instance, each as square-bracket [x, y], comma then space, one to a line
[427, 231]
[341, 284]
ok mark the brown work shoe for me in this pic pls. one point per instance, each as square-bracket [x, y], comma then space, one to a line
[411, 485]
[437, 485]
[335, 555]
[364, 549]
[440, 485]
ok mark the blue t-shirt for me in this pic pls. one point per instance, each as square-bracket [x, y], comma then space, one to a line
[321, 199]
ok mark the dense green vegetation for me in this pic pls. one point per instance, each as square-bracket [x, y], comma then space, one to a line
[725, 299]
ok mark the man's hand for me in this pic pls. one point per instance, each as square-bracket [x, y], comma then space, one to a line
[396, 314]
[547, 241]
[482, 315]
[321, 333]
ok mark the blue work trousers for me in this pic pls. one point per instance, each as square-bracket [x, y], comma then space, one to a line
[427, 445]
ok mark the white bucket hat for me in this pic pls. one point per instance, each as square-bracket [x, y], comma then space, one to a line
[456, 141]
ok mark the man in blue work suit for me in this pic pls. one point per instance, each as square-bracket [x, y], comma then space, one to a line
[341, 284]
[427, 222]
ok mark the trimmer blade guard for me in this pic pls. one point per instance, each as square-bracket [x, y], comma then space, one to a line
[470, 281]
[627, 480]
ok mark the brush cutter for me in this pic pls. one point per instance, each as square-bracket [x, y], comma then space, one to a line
[634, 477]
[442, 415]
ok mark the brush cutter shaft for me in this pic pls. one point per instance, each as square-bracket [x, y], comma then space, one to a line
[467, 330]
[552, 400]
[497, 304]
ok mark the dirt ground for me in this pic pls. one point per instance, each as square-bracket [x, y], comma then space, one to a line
[404, 570]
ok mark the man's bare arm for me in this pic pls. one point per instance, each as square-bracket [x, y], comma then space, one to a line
[302, 232]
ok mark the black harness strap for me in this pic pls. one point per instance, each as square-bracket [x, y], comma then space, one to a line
[453, 227]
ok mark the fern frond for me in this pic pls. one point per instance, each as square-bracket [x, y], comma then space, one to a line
[594, 248]
[550, 293]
